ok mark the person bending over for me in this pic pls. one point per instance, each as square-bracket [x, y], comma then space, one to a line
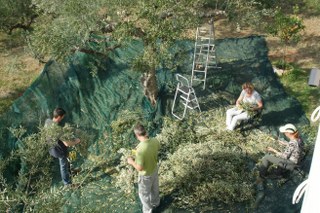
[58, 145]
[248, 104]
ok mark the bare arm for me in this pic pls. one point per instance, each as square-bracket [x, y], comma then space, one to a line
[134, 164]
[239, 100]
[270, 149]
[71, 143]
[283, 143]
[260, 105]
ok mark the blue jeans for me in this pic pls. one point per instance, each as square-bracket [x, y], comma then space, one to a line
[64, 170]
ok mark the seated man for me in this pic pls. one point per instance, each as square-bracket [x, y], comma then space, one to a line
[290, 157]
[247, 105]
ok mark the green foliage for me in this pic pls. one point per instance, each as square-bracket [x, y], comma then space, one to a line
[174, 134]
[34, 173]
[127, 174]
[281, 64]
[122, 129]
[313, 5]
[286, 28]
[201, 173]
[295, 85]
[248, 107]
[201, 163]
[15, 14]
[64, 27]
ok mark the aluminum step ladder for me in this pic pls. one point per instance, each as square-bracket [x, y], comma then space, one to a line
[186, 95]
[204, 56]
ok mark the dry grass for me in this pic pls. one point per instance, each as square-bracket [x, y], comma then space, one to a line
[305, 54]
[17, 69]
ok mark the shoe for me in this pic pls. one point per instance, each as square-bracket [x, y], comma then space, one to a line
[71, 186]
[259, 198]
[156, 209]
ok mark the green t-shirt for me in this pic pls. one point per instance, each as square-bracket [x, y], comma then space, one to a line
[147, 155]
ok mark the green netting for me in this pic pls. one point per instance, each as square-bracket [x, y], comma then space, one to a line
[94, 101]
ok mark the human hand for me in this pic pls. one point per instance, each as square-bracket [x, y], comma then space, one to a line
[270, 149]
[130, 160]
[282, 142]
[77, 140]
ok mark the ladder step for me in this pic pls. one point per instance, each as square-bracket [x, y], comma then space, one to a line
[184, 90]
[201, 54]
[191, 105]
[191, 97]
[198, 79]
[200, 62]
[205, 37]
[198, 70]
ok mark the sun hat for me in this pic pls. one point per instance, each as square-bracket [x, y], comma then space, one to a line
[290, 128]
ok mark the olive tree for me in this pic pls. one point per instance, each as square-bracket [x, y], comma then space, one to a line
[57, 28]
[16, 14]
[64, 27]
[287, 28]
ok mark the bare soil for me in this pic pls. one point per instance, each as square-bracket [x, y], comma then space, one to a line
[18, 68]
[305, 53]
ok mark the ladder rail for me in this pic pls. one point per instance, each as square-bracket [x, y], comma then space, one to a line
[186, 95]
[204, 56]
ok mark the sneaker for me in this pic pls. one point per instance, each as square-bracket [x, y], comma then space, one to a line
[71, 186]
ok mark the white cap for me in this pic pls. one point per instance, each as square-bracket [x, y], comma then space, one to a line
[288, 128]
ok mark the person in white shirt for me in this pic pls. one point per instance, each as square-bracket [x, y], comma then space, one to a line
[248, 97]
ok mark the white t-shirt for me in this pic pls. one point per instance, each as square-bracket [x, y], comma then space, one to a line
[253, 99]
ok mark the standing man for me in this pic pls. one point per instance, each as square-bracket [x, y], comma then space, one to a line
[58, 145]
[146, 164]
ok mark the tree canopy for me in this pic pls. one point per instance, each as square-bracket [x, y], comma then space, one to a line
[56, 29]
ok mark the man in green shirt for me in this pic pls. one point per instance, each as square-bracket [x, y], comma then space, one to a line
[146, 164]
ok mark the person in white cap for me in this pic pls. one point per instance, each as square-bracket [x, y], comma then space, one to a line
[290, 157]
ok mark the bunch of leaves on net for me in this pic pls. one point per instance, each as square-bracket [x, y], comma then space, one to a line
[34, 173]
[200, 173]
[122, 145]
[215, 169]
[122, 135]
[201, 162]
[208, 121]
[127, 175]
[175, 133]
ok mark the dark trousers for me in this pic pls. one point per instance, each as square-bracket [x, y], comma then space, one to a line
[65, 170]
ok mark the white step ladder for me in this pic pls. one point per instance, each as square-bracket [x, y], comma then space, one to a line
[186, 94]
[204, 56]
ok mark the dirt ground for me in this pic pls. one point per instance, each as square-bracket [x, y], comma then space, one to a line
[305, 53]
[18, 68]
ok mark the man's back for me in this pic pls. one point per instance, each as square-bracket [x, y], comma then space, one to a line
[147, 155]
